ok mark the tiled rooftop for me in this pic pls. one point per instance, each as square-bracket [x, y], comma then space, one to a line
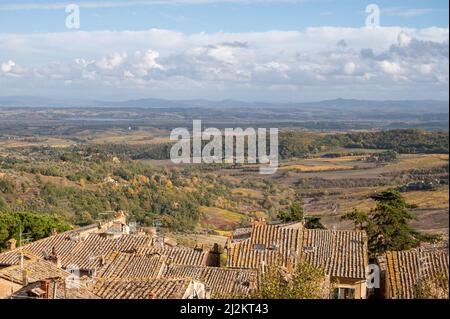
[403, 270]
[77, 249]
[141, 289]
[223, 282]
[57, 289]
[36, 269]
[130, 266]
[340, 253]
[178, 254]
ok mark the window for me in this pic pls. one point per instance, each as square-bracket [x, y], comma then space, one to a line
[343, 293]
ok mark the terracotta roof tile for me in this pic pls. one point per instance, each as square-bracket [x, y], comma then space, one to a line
[178, 254]
[58, 289]
[223, 282]
[36, 269]
[403, 270]
[341, 253]
[85, 251]
[141, 289]
[129, 266]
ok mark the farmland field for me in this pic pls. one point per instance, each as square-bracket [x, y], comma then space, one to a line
[315, 168]
[80, 170]
[221, 219]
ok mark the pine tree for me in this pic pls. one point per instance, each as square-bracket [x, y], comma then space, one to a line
[387, 225]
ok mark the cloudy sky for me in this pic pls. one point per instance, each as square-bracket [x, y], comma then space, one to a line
[285, 50]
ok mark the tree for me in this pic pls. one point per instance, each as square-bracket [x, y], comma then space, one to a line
[84, 218]
[435, 287]
[387, 225]
[295, 213]
[36, 225]
[3, 205]
[6, 186]
[359, 217]
[303, 282]
[267, 204]
[384, 157]
[313, 222]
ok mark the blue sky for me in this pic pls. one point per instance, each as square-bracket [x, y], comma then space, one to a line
[222, 16]
[291, 50]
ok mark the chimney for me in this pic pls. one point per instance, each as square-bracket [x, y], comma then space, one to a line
[11, 244]
[213, 257]
[121, 216]
[102, 261]
[44, 287]
[57, 261]
[54, 258]
[25, 278]
[54, 232]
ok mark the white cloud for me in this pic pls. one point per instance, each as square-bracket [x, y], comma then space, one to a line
[146, 62]
[404, 39]
[8, 66]
[349, 68]
[112, 62]
[426, 68]
[392, 68]
[128, 74]
[223, 54]
[215, 65]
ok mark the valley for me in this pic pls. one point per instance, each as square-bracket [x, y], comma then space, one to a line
[80, 170]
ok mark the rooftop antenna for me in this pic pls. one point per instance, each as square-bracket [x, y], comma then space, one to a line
[23, 238]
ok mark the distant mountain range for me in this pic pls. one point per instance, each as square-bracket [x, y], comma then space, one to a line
[416, 106]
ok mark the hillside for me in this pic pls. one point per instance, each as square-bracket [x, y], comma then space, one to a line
[328, 173]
